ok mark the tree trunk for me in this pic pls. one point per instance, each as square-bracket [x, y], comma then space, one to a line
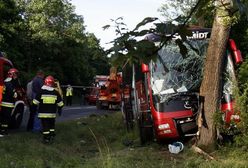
[212, 77]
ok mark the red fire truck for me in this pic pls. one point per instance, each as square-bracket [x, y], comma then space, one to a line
[110, 93]
[93, 91]
[163, 96]
[17, 113]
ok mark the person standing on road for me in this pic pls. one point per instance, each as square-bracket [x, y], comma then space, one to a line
[49, 102]
[8, 100]
[37, 83]
[69, 94]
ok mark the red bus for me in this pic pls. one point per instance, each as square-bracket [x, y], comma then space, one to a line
[163, 96]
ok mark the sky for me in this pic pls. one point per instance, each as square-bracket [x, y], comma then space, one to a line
[98, 13]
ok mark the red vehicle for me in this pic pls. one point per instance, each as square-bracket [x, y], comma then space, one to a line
[17, 113]
[91, 95]
[163, 96]
[110, 93]
[5, 64]
[92, 98]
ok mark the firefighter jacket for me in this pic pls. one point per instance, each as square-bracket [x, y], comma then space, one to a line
[48, 101]
[9, 93]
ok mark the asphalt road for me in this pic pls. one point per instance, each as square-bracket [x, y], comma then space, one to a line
[74, 112]
[71, 113]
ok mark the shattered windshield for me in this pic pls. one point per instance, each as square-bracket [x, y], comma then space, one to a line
[173, 72]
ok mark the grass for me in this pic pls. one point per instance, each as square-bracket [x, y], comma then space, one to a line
[103, 142]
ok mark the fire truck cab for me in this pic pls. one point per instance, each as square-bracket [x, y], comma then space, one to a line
[110, 93]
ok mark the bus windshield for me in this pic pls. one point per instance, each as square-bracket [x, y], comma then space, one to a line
[174, 73]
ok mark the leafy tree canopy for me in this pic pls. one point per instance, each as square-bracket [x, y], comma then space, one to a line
[48, 35]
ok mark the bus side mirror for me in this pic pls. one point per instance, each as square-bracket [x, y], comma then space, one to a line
[237, 56]
[236, 53]
[232, 44]
[144, 68]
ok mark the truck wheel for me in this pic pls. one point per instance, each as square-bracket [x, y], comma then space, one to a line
[16, 118]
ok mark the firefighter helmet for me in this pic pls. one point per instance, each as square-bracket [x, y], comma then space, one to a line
[12, 73]
[49, 81]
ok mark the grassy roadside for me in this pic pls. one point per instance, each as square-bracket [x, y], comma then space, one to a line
[103, 142]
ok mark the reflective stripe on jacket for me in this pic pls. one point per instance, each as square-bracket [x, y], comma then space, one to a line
[7, 104]
[47, 115]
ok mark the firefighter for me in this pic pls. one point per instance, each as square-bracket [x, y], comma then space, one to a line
[49, 102]
[69, 93]
[8, 100]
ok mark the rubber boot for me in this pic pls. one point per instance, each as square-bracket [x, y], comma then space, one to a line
[46, 139]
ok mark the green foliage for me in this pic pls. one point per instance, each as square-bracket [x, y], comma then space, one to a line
[49, 35]
[240, 34]
[126, 47]
[243, 76]
[241, 7]
[179, 11]
[242, 103]
[144, 22]
[9, 24]
[219, 122]
[176, 10]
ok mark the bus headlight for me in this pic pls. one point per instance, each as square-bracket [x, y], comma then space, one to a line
[163, 126]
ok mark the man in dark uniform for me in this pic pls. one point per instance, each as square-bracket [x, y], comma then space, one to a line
[37, 83]
[49, 102]
[8, 100]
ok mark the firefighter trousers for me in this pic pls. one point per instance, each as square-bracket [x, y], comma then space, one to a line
[5, 117]
[48, 128]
